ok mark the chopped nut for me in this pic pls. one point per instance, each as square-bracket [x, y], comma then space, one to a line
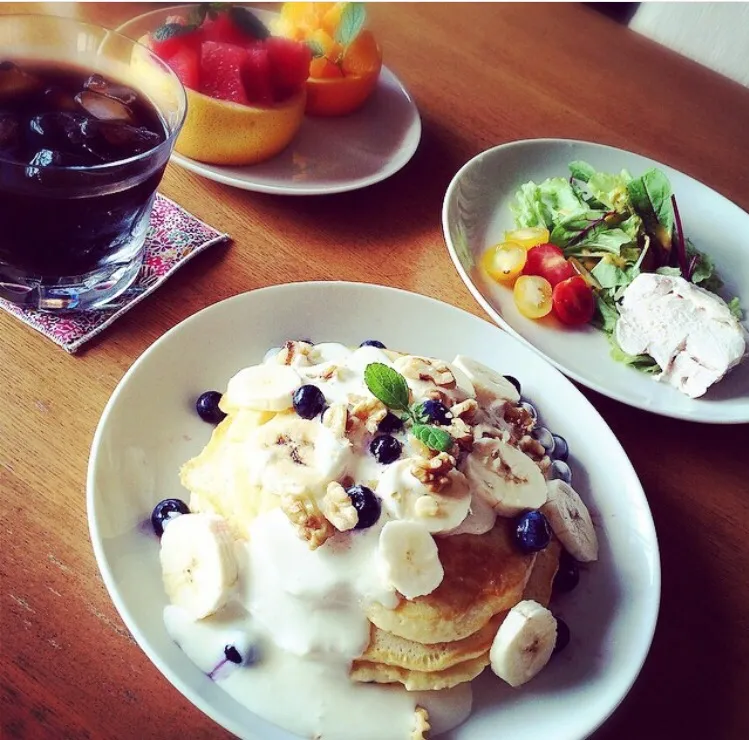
[487, 430]
[426, 506]
[421, 724]
[336, 419]
[309, 522]
[544, 464]
[465, 409]
[292, 351]
[422, 368]
[461, 433]
[338, 508]
[521, 421]
[433, 473]
[532, 447]
[369, 412]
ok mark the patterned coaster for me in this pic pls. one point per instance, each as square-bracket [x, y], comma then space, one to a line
[174, 237]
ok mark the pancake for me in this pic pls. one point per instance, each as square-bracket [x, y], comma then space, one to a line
[364, 671]
[545, 568]
[484, 575]
[387, 649]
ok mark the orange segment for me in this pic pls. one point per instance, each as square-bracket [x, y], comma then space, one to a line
[332, 17]
[331, 48]
[322, 68]
[363, 56]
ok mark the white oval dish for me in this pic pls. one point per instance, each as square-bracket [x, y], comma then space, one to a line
[476, 213]
[149, 428]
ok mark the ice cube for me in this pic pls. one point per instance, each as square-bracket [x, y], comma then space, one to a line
[136, 139]
[59, 130]
[59, 99]
[103, 107]
[46, 158]
[14, 82]
[97, 84]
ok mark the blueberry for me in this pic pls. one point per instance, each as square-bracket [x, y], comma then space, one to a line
[532, 532]
[530, 408]
[165, 511]
[434, 412]
[559, 470]
[563, 636]
[391, 423]
[366, 504]
[561, 448]
[568, 574]
[232, 654]
[373, 343]
[386, 449]
[245, 655]
[207, 407]
[514, 381]
[308, 401]
[545, 438]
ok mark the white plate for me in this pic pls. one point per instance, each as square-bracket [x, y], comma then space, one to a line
[476, 213]
[149, 428]
[334, 155]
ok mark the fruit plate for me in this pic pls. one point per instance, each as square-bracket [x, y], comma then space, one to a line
[149, 428]
[327, 155]
[476, 213]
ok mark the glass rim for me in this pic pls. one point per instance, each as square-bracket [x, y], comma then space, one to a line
[106, 166]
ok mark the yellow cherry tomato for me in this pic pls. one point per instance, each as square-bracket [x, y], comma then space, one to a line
[529, 237]
[504, 262]
[532, 296]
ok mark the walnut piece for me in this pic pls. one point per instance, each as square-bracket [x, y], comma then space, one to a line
[461, 433]
[310, 523]
[369, 412]
[336, 419]
[292, 351]
[465, 409]
[338, 508]
[532, 447]
[422, 368]
[433, 473]
[421, 724]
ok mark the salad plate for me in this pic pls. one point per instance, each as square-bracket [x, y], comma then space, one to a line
[477, 212]
[149, 428]
[333, 155]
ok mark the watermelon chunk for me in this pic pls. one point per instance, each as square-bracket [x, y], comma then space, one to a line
[221, 68]
[256, 76]
[173, 36]
[186, 65]
[289, 61]
[224, 30]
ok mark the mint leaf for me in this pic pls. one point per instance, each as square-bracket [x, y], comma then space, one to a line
[352, 21]
[387, 385]
[433, 437]
[248, 23]
[316, 48]
[171, 30]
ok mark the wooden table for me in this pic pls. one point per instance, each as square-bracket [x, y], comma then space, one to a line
[481, 75]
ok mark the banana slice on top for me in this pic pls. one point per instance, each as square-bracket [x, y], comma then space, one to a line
[407, 498]
[261, 388]
[488, 383]
[524, 642]
[409, 558]
[292, 455]
[570, 519]
[505, 477]
[198, 564]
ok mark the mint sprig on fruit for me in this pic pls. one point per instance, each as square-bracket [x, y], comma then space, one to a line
[389, 386]
[351, 23]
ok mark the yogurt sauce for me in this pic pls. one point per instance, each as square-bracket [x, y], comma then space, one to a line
[300, 613]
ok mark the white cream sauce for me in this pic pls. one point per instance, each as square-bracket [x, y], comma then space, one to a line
[300, 613]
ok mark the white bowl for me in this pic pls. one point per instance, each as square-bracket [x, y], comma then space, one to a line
[149, 428]
[476, 213]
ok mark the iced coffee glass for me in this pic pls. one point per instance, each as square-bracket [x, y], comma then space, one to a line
[88, 120]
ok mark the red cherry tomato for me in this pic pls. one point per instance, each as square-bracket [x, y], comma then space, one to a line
[548, 261]
[573, 301]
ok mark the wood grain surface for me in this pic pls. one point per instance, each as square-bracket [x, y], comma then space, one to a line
[481, 75]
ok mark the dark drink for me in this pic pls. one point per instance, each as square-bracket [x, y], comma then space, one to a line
[81, 156]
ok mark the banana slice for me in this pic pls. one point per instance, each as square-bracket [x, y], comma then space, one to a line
[427, 375]
[409, 558]
[328, 352]
[290, 455]
[505, 476]
[571, 522]
[481, 518]
[489, 384]
[198, 564]
[407, 498]
[261, 388]
[524, 643]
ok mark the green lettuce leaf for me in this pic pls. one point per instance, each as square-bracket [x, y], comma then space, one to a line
[606, 314]
[644, 363]
[546, 204]
[611, 190]
[734, 306]
[581, 170]
[650, 196]
[610, 275]
[605, 240]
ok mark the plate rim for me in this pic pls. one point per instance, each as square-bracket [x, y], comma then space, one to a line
[499, 320]
[173, 677]
[394, 164]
